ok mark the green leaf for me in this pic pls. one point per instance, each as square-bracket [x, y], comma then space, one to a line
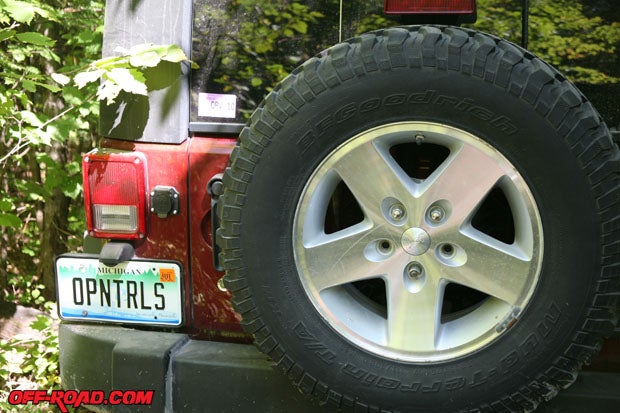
[86, 36]
[145, 59]
[61, 79]
[6, 205]
[42, 322]
[300, 26]
[49, 14]
[30, 118]
[72, 95]
[38, 136]
[18, 55]
[35, 38]
[121, 50]
[20, 11]
[83, 78]
[71, 188]
[51, 88]
[73, 168]
[130, 81]
[174, 54]
[140, 48]
[10, 220]
[108, 91]
[29, 85]
[6, 34]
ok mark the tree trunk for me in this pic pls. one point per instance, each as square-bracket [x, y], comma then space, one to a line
[53, 238]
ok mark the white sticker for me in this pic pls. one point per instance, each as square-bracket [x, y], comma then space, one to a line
[216, 105]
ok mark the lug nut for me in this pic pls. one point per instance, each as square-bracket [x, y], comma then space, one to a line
[397, 212]
[414, 270]
[436, 214]
[447, 250]
[384, 246]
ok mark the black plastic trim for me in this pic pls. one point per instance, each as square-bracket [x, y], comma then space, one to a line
[199, 376]
[114, 253]
[215, 127]
[186, 375]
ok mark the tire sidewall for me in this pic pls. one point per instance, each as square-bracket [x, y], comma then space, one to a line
[510, 125]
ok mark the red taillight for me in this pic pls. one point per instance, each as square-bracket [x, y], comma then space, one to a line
[430, 6]
[115, 195]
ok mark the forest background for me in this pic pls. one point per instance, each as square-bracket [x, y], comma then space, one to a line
[49, 106]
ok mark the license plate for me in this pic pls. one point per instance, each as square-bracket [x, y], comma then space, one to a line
[137, 291]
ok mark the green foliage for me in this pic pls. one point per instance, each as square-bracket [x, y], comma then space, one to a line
[125, 72]
[52, 80]
[570, 34]
[25, 290]
[29, 360]
[261, 42]
[44, 127]
[263, 48]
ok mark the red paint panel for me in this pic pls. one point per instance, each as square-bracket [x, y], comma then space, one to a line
[187, 237]
[167, 238]
[211, 307]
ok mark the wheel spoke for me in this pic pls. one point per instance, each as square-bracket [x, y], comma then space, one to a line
[373, 177]
[413, 318]
[344, 257]
[416, 237]
[464, 179]
[494, 268]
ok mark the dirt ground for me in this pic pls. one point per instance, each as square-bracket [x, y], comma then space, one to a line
[15, 321]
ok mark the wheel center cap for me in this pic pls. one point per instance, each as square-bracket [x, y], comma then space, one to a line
[415, 241]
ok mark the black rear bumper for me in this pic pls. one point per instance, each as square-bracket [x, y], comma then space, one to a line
[205, 376]
[186, 375]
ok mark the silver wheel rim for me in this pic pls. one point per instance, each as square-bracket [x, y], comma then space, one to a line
[417, 236]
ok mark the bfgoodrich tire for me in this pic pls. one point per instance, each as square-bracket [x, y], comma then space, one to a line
[424, 219]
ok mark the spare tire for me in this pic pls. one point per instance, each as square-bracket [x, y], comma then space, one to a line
[424, 219]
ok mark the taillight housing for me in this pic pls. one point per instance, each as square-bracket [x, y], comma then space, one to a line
[430, 6]
[115, 194]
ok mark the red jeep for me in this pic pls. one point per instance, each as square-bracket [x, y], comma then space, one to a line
[419, 218]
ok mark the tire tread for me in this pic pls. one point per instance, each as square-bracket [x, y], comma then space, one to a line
[471, 53]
